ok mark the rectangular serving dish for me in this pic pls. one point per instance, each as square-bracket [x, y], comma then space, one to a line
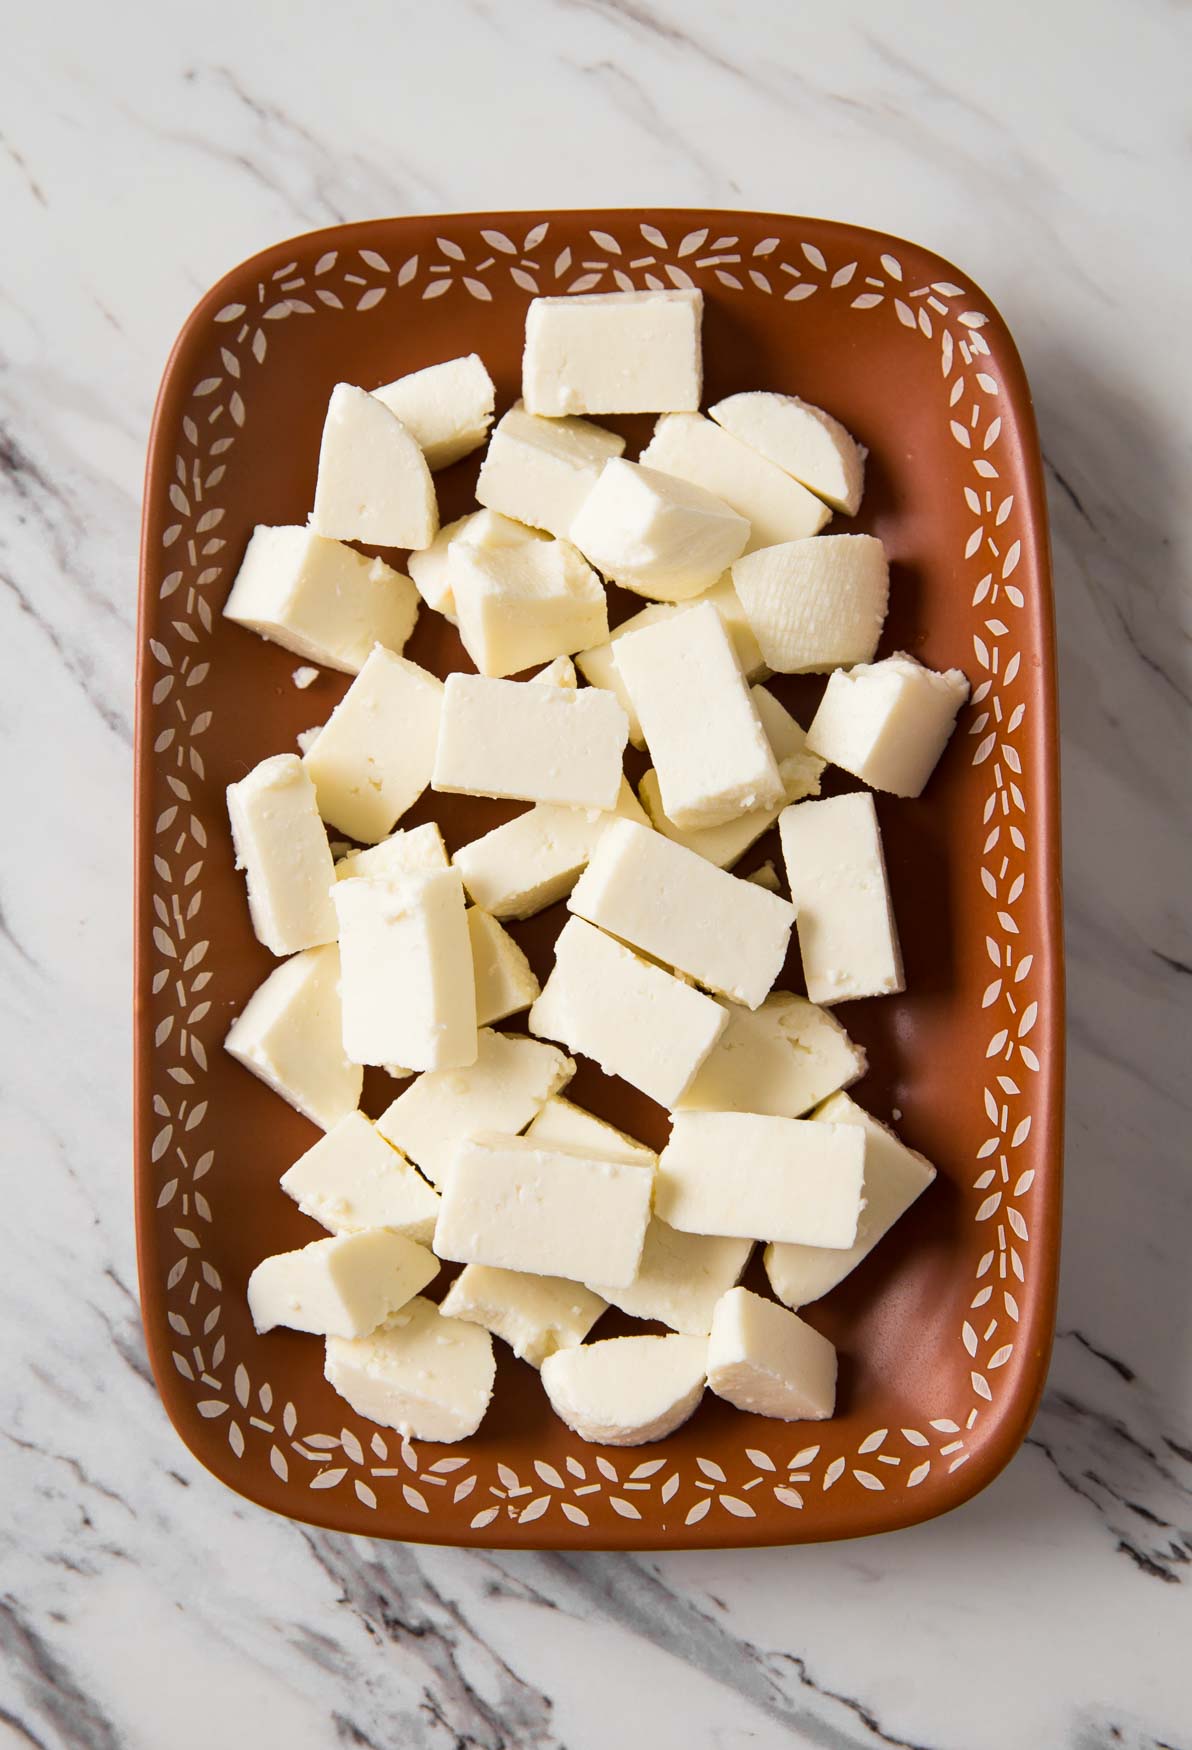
[945, 1331]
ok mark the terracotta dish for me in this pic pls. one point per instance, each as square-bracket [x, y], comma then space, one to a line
[944, 1332]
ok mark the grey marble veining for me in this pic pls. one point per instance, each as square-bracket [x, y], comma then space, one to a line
[142, 152]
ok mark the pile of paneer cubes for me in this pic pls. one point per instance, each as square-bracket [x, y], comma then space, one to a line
[394, 954]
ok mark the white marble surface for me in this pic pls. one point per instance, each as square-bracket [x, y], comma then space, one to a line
[143, 150]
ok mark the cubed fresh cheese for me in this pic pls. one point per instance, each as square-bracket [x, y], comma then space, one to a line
[800, 773]
[837, 876]
[409, 851]
[802, 440]
[888, 722]
[535, 1315]
[514, 1203]
[541, 470]
[290, 1033]
[598, 665]
[530, 862]
[373, 758]
[281, 844]
[428, 1376]
[780, 1059]
[341, 1287]
[681, 1277]
[776, 507]
[446, 408]
[559, 673]
[320, 599]
[505, 981]
[373, 484]
[818, 604]
[537, 744]
[656, 534]
[727, 603]
[408, 989]
[766, 1361]
[627, 1391]
[701, 726]
[560, 1122]
[510, 1080]
[614, 352]
[762, 1178]
[799, 768]
[895, 1175]
[524, 602]
[352, 1180]
[766, 876]
[485, 529]
[635, 1020]
[678, 908]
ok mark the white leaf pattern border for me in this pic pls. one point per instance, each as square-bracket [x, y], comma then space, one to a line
[363, 1459]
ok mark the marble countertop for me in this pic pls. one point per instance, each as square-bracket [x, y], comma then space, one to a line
[143, 150]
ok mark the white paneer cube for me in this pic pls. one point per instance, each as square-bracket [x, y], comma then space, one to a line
[780, 1059]
[598, 665]
[446, 408]
[520, 868]
[727, 603]
[635, 1020]
[627, 1391]
[656, 534]
[374, 484]
[373, 758]
[701, 726]
[760, 1178]
[799, 768]
[766, 1361]
[539, 471]
[800, 773]
[614, 352]
[352, 1181]
[719, 845]
[505, 981]
[408, 990]
[281, 844]
[766, 875]
[320, 599]
[511, 1079]
[837, 876]
[341, 1287]
[563, 1123]
[776, 507]
[895, 1176]
[802, 440]
[428, 1376]
[888, 722]
[681, 1277]
[535, 1315]
[678, 908]
[290, 1034]
[559, 673]
[524, 602]
[818, 604]
[530, 743]
[516, 1204]
[408, 851]
[482, 528]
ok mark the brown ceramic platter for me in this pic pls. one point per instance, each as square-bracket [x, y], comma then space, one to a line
[945, 1331]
